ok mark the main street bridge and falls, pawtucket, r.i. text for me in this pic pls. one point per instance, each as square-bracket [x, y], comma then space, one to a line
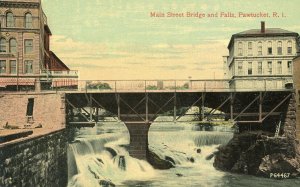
[216, 14]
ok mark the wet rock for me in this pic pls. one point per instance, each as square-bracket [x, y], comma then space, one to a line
[122, 163]
[159, 163]
[278, 163]
[191, 159]
[257, 154]
[170, 159]
[209, 157]
[111, 151]
[106, 183]
[179, 175]
[100, 160]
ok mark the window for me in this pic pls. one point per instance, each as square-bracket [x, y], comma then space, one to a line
[259, 68]
[28, 20]
[240, 68]
[279, 67]
[270, 68]
[13, 67]
[28, 67]
[2, 66]
[240, 49]
[259, 48]
[10, 20]
[290, 67]
[250, 48]
[30, 105]
[270, 48]
[12, 45]
[28, 46]
[249, 68]
[279, 48]
[289, 47]
[2, 45]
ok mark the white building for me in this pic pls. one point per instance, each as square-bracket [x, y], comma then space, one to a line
[261, 58]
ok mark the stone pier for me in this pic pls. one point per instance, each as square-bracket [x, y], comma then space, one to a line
[138, 147]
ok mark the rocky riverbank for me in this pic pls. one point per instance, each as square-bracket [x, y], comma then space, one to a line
[256, 153]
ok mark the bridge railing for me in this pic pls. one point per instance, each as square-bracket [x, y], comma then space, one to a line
[153, 85]
[237, 84]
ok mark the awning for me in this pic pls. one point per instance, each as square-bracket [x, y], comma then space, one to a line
[64, 82]
[17, 81]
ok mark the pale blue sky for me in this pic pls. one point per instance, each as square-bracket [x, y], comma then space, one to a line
[118, 39]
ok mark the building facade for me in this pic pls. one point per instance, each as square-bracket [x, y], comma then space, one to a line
[26, 61]
[261, 58]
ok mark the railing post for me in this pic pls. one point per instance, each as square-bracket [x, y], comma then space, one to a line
[175, 86]
[116, 86]
[175, 108]
[260, 106]
[147, 108]
[85, 86]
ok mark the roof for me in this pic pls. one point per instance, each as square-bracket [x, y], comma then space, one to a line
[58, 63]
[269, 32]
[47, 29]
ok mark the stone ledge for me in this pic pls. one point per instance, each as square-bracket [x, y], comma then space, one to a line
[13, 135]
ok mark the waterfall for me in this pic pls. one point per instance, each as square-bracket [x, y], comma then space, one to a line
[102, 160]
[99, 156]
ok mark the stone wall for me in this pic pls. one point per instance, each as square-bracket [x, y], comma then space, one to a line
[296, 76]
[48, 110]
[289, 129]
[41, 161]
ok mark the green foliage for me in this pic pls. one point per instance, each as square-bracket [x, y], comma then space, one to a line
[151, 87]
[99, 86]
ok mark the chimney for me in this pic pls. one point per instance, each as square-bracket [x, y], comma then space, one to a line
[263, 27]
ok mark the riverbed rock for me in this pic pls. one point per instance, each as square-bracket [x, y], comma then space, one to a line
[258, 154]
[159, 163]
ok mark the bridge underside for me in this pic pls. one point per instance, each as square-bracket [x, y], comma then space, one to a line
[255, 110]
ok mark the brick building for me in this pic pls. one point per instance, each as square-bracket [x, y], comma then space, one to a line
[26, 61]
[261, 58]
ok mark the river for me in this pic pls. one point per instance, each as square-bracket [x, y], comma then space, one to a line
[99, 156]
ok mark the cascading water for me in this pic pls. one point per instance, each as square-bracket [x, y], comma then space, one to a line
[99, 157]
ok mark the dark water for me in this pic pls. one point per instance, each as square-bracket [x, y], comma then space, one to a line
[99, 156]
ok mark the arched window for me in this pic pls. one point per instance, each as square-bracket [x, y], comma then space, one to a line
[12, 45]
[270, 49]
[10, 20]
[279, 48]
[2, 45]
[28, 20]
[289, 47]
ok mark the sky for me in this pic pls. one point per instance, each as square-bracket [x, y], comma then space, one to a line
[118, 39]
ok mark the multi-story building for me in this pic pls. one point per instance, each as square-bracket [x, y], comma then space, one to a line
[261, 58]
[26, 61]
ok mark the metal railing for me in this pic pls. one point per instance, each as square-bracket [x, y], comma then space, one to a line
[245, 84]
[221, 85]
